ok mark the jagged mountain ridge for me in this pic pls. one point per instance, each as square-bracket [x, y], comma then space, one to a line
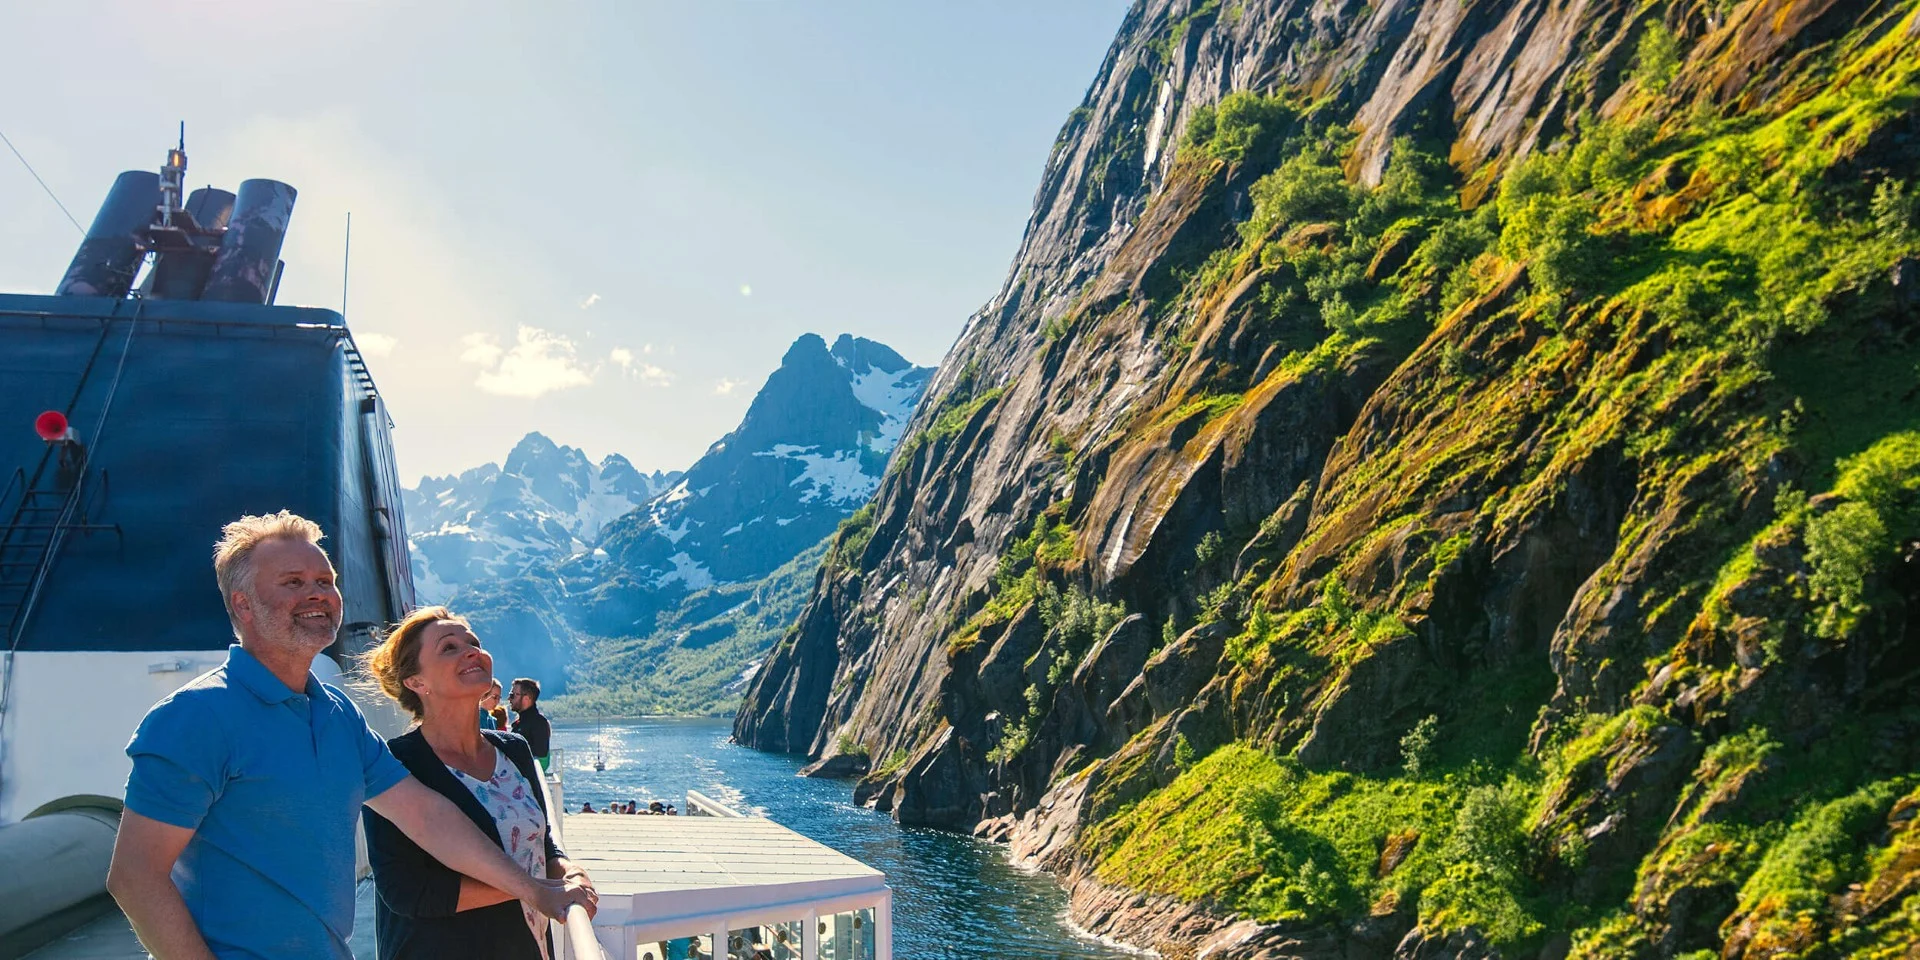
[545, 504]
[810, 450]
[656, 604]
[1247, 473]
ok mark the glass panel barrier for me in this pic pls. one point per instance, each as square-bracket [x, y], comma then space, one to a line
[847, 936]
[773, 941]
[863, 931]
[682, 948]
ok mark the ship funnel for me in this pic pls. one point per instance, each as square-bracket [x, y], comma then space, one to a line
[243, 271]
[108, 258]
[182, 273]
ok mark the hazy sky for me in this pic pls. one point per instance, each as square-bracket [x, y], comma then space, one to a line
[605, 221]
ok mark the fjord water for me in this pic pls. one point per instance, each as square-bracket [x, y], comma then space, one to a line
[954, 897]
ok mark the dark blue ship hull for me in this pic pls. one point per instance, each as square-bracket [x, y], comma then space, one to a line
[192, 413]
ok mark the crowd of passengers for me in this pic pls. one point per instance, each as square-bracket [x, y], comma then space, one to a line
[631, 806]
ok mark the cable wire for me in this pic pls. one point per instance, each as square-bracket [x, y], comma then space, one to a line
[43, 184]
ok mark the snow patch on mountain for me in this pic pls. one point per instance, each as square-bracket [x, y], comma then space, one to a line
[688, 572]
[893, 395]
[839, 477]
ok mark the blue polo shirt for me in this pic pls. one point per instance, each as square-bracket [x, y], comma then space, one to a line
[271, 783]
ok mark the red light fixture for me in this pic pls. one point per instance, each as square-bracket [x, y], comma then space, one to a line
[52, 426]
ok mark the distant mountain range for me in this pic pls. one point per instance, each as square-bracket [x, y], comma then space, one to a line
[563, 564]
[547, 503]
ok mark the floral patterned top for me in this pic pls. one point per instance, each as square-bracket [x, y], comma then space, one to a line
[515, 809]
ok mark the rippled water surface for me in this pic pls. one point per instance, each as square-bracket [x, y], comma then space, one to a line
[954, 897]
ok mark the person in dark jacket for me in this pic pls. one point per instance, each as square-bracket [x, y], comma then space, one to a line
[528, 721]
[433, 666]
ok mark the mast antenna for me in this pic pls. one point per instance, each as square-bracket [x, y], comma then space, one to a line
[173, 180]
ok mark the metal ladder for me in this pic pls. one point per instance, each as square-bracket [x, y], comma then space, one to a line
[42, 516]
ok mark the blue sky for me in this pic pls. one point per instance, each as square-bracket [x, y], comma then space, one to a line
[605, 221]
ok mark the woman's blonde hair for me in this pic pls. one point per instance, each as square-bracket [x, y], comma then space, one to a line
[397, 656]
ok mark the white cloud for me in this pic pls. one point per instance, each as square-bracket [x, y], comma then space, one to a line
[725, 385]
[482, 348]
[375, 345]
[592, 298]
[539, 363]
[646, 373]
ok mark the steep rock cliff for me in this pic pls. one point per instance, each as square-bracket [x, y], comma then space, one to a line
[1374, 516]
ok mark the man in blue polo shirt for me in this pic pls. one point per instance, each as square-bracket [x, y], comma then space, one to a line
[238, 835]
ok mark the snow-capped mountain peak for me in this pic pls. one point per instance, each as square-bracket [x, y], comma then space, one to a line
[811, 449]
[546, 503]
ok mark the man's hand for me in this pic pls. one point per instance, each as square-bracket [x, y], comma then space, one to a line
[554, 897]
[141, 881]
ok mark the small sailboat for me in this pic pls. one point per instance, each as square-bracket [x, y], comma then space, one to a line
[599, 746]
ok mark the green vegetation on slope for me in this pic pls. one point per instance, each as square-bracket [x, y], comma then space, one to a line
[690, 664]
[1697, 302]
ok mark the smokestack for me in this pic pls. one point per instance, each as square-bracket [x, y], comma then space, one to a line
[243, 270]
[109, 257]
[182, 274]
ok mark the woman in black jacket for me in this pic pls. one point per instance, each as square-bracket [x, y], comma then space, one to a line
[432, 664]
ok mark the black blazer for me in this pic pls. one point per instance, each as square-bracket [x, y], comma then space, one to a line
[414, 916]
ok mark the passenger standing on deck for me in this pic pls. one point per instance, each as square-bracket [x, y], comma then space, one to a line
[490, 708]
[238, 836]
[529, 722]
[432, 665]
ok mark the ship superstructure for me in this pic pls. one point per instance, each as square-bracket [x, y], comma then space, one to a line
[156, 395]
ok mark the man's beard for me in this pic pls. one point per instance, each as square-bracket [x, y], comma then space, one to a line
[286, 633]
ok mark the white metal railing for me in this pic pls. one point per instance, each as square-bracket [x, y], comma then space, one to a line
[701, 805]
[581, 942]
[575, 938]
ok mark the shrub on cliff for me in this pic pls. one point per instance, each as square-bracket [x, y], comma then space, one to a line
[1242, 124]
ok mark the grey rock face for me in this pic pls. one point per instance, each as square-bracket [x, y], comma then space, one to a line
[1066, 392]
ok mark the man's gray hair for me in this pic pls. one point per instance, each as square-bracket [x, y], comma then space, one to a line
[233, 554]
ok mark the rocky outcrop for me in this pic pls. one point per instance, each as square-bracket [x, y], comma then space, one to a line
[1387, 385]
